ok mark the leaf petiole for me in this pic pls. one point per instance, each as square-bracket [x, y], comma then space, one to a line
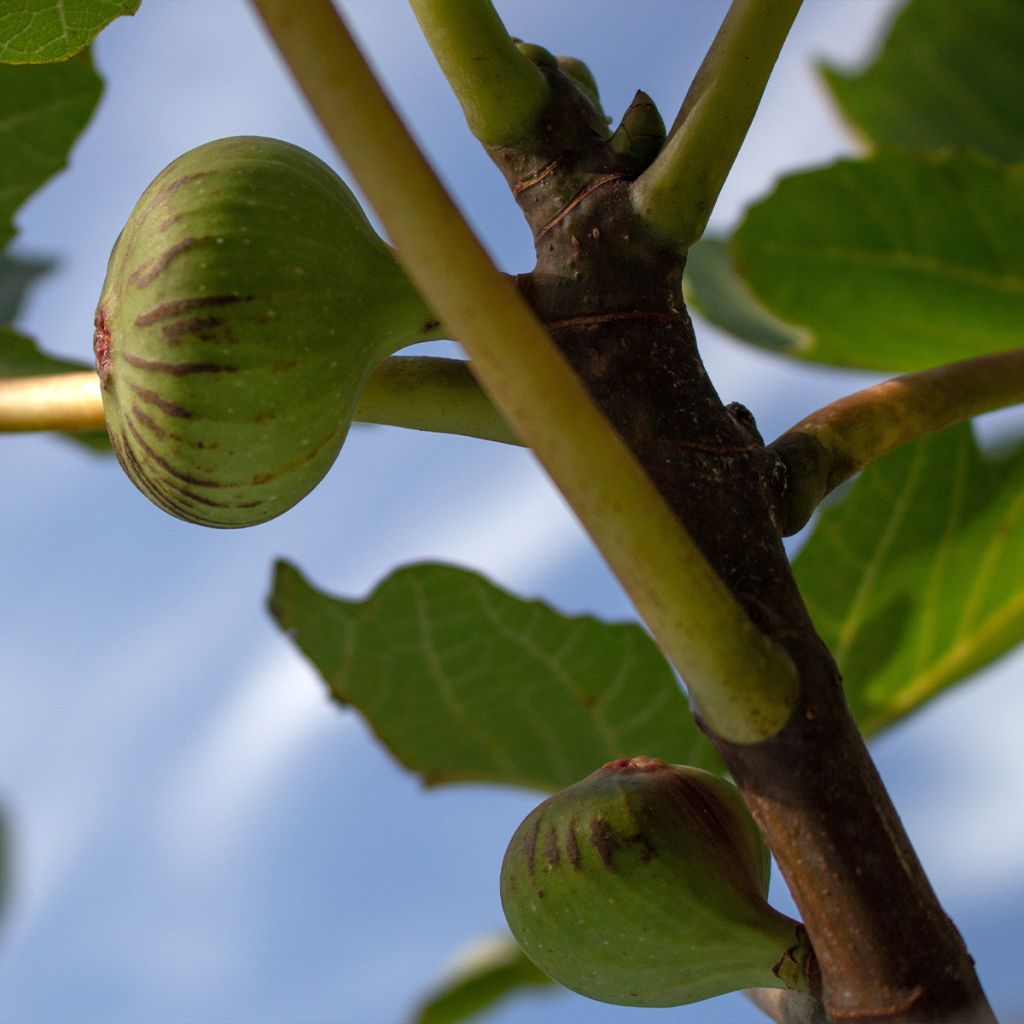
[840, 439]
[678, 191]
[501, 91]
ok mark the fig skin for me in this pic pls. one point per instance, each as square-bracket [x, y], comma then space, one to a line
[644, 885]
[246, 302]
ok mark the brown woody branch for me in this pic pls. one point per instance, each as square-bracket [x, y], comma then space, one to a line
[609, 292]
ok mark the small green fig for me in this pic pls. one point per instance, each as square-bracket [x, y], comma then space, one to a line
[246, 302]
[644, 885]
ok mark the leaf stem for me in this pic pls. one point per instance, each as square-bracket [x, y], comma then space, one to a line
[840, 439]
[429, 393]
[501, 91]
[678, 191]
[744, 682]
[418, 392]
[59, 401]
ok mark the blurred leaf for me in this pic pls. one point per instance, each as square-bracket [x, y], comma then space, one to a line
[42, 112]
[20, 357]
[17, 274]
[949, 74]
[39, 31]
[95, 440]
[894, 263]
[714, 290]
[491, 970]
[464, 682]
[916, 578]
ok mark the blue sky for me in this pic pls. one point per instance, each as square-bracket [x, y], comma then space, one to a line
[198, 834]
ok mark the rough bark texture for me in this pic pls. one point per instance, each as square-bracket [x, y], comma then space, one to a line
[611, 296]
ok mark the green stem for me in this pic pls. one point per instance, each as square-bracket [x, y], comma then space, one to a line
[744, 683]
[840, 439]
[428, 393]
[501, 91]
[418, 392]
[678, 191]
[60, 401]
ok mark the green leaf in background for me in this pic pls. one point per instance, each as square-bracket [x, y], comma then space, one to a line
[948, 74]
[20, 357]
[487, 972]
[899, 262]
[464, 682]
[713, 289]
[40, 31]
[42, 112]
[916, 578]
[17, 275]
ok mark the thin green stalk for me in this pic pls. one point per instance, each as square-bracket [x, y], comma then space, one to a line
[501, 91]
[418, 392]
[60, 401]
[428, 393]
[744, 683]
[442, 396]
[840, 439]
[678, 191]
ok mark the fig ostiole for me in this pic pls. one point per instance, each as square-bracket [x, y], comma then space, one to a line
[246, 302]
[644, 885]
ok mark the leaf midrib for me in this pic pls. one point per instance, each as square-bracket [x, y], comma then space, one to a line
[1011, 284]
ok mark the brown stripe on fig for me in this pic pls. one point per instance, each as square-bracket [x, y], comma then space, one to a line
[147, 421]
[177, 183]
[554, 855]
[660, 897]
[150, 397]
[177, 369]
[204, 328]
[176, 306]
[528, 843]
[246, 303]
[164, 464]
[148, 272]
[126, 455]
[572, 849]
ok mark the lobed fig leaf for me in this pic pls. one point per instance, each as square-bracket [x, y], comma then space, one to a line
[246, 302]
[645, 885]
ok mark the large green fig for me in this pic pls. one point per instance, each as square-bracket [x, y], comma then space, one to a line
[246, 302]
[645, 885]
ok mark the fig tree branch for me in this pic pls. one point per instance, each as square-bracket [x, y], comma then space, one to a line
[840, 439]
[609, 290]
[678, 191]
[501, 91]
[743, 681]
